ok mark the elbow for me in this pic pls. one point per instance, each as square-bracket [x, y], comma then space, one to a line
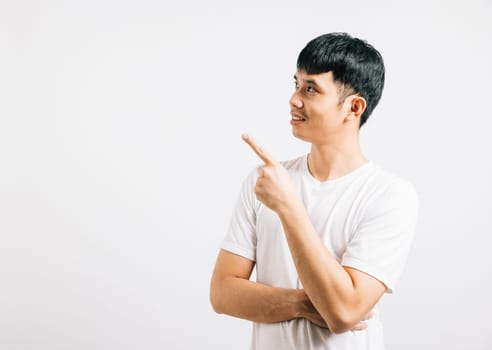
[339, 328]
[216, 307]
[342, 323]
[215, 299]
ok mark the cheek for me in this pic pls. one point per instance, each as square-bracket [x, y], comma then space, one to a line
[322, 105]
[320, 113]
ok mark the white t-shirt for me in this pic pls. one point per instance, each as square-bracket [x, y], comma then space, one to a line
[366, 219]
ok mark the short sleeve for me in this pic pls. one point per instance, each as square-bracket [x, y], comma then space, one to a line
[384, 235]
[240, 236]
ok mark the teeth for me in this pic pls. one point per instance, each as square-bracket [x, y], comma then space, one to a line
[297, 118]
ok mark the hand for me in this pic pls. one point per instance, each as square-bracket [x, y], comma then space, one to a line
[363, 325]
[310, 313]
[274, 187]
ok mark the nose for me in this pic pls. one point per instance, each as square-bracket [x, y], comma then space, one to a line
[295, 101]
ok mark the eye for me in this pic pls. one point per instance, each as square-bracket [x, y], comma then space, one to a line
[296, 84]
[310, 89]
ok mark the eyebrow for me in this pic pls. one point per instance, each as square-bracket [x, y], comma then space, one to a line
[309, 81]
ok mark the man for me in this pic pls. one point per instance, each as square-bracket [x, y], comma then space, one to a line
[329, 231]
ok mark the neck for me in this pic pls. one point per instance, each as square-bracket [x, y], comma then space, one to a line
[336, 158]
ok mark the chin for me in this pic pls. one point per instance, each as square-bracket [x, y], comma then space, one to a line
[300, 136]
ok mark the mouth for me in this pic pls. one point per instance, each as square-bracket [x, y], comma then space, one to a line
[298, 117]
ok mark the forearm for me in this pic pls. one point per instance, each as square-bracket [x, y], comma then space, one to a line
[327, 284]
[257, 302]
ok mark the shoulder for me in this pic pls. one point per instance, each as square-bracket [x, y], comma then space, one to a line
[392, 189]
[291, 164]
[294, 164]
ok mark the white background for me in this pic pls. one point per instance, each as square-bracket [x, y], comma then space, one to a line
[121, 159]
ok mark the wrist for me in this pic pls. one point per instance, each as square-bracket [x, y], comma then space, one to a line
[290, 208]
[301, 303]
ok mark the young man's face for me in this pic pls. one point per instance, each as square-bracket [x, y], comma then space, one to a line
[316, 99]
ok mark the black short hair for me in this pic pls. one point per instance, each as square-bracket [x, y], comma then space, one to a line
[357, 67]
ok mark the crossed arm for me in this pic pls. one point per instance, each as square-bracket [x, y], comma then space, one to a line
[341, 294]
[232, 293]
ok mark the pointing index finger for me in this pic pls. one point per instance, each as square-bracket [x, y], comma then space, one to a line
[265, 157]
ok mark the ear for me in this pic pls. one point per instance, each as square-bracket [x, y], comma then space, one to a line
[356, 108]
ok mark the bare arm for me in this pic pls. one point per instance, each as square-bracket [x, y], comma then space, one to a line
[233, 294]
[342, 295]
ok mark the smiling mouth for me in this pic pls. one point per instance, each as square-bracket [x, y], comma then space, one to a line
[298, 117]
